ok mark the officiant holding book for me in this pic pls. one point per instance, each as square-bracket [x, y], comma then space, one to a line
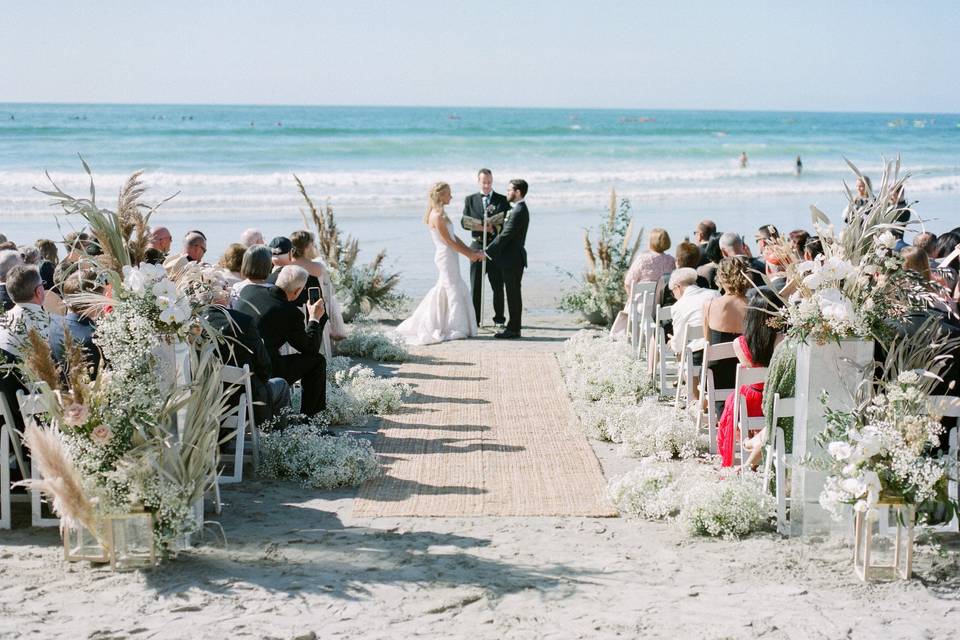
[495, 206]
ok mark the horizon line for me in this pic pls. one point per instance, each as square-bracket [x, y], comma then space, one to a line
[463, 106]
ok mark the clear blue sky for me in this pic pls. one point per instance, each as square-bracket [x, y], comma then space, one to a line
[800, 55]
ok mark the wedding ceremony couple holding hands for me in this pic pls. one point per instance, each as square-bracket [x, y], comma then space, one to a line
[449, 311]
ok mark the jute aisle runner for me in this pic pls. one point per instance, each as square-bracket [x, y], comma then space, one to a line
[485, 434]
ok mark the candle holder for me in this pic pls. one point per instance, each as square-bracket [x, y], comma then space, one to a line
[864, 529]
[81, 544]
[131, 541]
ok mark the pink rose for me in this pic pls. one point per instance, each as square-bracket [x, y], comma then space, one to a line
[75, 414]
[101, 434]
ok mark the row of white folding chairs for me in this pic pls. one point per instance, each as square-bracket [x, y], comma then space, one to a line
[639, 313]
[241, 423]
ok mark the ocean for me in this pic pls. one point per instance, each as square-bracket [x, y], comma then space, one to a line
[232, 168]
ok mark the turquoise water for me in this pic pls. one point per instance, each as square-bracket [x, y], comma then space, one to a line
[232, 166]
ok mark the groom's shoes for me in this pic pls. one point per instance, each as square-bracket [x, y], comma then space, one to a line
[507, 334]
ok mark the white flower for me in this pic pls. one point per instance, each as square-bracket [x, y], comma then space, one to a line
[887, 239]
[134, 280]
[829, 270]
[908, 377]
[165, 289]
[840, 450]
[835, 306]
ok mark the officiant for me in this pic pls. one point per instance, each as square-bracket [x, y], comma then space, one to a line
[495, 205]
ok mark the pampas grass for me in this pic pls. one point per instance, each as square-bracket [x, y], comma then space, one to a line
[60, 480]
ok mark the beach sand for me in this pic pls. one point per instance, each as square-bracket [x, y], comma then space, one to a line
[298, 565]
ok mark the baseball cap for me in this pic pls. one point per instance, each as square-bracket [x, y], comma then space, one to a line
[280, 245]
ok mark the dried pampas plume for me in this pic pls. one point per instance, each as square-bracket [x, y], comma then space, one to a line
[60, 478]
[38, 360]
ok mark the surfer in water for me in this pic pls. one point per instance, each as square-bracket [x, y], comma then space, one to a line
[743, 159]
[799, 165]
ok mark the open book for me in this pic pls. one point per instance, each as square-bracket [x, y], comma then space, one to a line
[476, 224]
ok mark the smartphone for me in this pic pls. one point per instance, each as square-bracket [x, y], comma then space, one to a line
[313, 294]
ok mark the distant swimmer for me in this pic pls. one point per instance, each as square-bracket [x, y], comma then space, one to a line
[743, 159]
[799, 165]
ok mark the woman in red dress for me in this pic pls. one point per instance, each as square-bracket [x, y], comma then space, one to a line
[754, 349]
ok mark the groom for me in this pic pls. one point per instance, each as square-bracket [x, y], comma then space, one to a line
[473, 208]
[508, 253]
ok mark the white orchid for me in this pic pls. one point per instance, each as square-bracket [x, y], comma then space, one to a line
[887, 239]
[835, 306]
[830, 270]
[840, 450]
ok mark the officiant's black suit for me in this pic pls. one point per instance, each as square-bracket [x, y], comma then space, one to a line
[508, 253]
[473, 208]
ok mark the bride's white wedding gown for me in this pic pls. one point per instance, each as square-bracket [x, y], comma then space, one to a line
[446, 312]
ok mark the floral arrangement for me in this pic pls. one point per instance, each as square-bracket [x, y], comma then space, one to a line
[729, 508]
[883, 448]
[600, 295]
[858, 284]
[355, 392]
[597, 367]
[696, 496]
[660, 431]
[302, 452]
[366, 341]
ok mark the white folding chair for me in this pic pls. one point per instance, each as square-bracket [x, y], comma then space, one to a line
[9, 439]
[692, 341]
[31, 405]
[241, 423]
[779, 459]
[646, 325]
[948, 407]
[708, 390]
[742, 422]
[639, 291]
[661, 349]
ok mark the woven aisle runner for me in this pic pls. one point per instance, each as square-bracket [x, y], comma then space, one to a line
[485, 434]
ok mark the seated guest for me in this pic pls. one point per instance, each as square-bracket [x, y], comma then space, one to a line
[798, 240]
[705, 231]
[280, 322]
[160, 239]
[254, 268]
[812, 249]
[688, 255]
[754, 349]
[231, 262]
[723, 316]
[152, 255]
[708, 270]
[79, 320]
[251, 237]
[688, 309]
[9, 258]
[76, 243]
[25, 288]
[280, 248]
[915, 259]
[767, 238]
[927, 242]
[194, 246]
[651, 265]
[242, 345]
[732, 244]
[947, 263]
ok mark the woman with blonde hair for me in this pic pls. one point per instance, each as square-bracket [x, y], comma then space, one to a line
[303, 253]
[723, 317]
[446, 312]
[650, 266]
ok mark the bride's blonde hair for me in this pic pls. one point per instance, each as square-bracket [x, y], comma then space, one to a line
[433, 200]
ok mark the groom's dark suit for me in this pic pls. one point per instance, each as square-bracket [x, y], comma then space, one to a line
[508, 253]
[473, 208]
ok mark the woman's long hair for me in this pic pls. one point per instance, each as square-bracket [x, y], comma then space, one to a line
[760, 336]
[433, 200]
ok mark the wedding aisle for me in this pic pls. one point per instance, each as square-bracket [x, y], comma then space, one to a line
[488, 432]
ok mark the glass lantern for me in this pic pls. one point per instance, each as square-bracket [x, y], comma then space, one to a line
[81, 544]
[131, 541]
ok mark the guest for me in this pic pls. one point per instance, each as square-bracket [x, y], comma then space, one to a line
[947, 264]
[194, 246]
[243, 345]
[251, 237]
[926, 241]
[25, 288]
[798, 240]
[767, 238]
[280, 322]
[280, 248]
[713, 255]
[79, 320]
[48, 262]
[688, 309]
[152, 255]
[754, 349]
[254, 268]
[688, 255]
[160, 239]
[303, 253]
[48, 250]
[723, 316]
[76, 243]
[650, 266]
[9, 258]
[915, 259]
[860, 202]
[231, 262]
[812, 248]
[732, 244]
[705, 230]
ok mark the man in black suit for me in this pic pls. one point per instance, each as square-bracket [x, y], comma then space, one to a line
[473, 209]
[508, 253]
[279, 322]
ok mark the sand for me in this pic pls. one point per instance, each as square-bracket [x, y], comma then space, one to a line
[297, 564]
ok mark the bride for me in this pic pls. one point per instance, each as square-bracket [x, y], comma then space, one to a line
[446, 312]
